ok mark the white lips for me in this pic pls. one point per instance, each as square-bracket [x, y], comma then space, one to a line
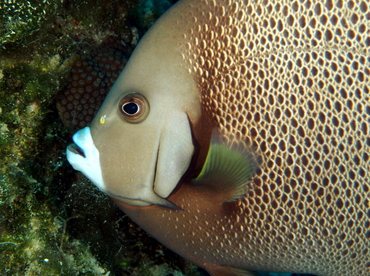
[90, 164]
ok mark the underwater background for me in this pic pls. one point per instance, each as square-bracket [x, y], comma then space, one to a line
[53, 221]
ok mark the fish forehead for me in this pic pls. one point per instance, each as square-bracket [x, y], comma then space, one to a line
[292, 80]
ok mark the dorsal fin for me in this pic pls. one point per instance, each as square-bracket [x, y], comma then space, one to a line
[228, 169]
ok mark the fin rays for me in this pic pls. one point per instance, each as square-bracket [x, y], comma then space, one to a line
[228, 169]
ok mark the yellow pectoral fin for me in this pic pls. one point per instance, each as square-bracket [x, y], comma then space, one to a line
[228, 169]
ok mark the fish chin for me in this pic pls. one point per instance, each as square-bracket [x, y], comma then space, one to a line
[150, 199]
[84, 157]
[132, 202]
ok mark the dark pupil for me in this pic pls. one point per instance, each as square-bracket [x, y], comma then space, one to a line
[130, 108]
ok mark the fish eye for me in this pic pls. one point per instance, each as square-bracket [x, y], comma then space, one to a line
[131, 108]
[134, 108]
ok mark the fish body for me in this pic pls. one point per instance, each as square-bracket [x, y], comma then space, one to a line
[285, 87]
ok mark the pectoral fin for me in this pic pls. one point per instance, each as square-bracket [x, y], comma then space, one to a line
[228, 169]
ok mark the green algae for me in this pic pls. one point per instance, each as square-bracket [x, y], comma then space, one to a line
[30, 233]
[21, 18]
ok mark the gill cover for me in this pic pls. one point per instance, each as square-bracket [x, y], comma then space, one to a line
[145, 148]
[172, 150]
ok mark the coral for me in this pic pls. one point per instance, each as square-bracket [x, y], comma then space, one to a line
[29, 168]
[89, 82]
[21, 18]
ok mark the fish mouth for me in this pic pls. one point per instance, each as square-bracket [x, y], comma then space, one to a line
[84, 157]
[76, 149]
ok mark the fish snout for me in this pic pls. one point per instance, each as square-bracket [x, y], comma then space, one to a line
[84, 157]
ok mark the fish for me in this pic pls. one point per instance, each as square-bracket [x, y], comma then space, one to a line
[237, 135]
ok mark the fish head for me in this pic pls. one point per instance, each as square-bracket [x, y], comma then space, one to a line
[141, 139]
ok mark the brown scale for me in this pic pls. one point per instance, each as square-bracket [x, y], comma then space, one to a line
[296, 77]
[90, 80]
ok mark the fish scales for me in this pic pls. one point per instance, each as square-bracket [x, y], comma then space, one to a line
[291, 81]
[294, 82]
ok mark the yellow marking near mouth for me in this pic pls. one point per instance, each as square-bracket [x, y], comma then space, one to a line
[102, 119]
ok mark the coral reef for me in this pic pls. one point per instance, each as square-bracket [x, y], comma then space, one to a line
[21, 18]
[89, 82]
[31, 234]
[31, 160]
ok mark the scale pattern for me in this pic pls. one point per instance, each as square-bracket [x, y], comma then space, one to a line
[292, 79]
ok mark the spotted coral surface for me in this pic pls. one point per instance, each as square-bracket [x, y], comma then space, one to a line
[91, 78]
